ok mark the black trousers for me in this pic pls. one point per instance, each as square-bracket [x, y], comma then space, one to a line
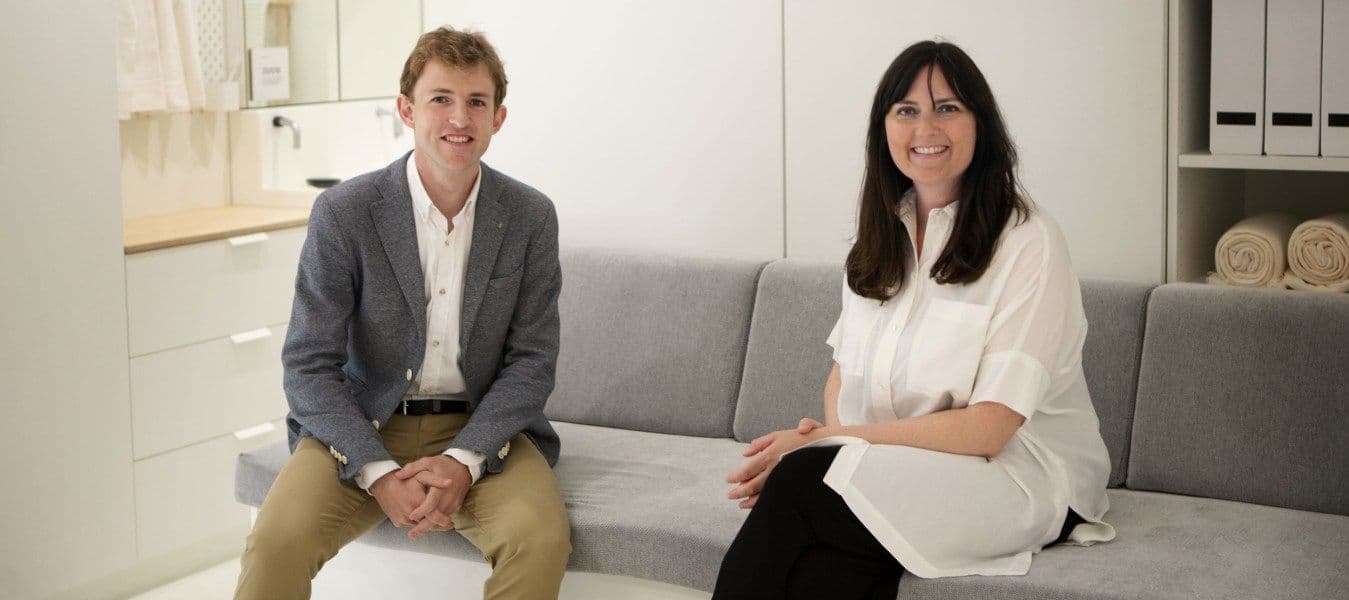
[802, 541]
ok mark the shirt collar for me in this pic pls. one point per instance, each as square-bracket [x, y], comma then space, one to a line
[909, 200]
[421, 200]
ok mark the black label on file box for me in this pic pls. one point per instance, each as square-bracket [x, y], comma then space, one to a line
[1337, 119]
[1236, 118]
[1291, 119]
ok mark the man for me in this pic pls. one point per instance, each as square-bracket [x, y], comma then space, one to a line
[421, 348]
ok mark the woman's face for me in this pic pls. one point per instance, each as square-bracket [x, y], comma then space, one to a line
[930, 141]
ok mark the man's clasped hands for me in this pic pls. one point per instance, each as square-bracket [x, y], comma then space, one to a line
[424, 494]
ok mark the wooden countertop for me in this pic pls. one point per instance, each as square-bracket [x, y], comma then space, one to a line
[205, 224]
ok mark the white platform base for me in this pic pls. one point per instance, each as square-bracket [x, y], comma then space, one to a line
[361, 572]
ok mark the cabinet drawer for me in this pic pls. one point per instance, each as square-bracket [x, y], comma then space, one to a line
[186, 395]
[194, 293]
[187, 495]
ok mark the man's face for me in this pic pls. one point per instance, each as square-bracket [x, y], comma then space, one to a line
[451, 114]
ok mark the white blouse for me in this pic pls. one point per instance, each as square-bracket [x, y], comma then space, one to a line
[1014, 337]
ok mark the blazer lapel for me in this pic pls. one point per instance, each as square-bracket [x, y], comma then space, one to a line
[397, 229]
[489, 228]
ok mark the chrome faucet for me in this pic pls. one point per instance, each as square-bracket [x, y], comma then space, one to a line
[280, 121]
[380, 111]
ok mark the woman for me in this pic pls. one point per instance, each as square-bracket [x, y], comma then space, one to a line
[969, 441]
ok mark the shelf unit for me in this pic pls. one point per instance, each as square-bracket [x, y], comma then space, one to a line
[1206, 193]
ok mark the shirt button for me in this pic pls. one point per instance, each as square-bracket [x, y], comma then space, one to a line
[447, 241]
[409, 374]
[442, 291]
[435, 344]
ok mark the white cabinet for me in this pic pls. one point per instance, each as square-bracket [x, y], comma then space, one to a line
[207, 322]
[199, 292]
[1208, 193]
[188, 394]
[187, 495]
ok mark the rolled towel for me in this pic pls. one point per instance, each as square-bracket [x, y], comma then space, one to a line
[1253, 253]
[1318, 255]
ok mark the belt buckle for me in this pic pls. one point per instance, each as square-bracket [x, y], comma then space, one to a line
[405, 408]
[435, 406]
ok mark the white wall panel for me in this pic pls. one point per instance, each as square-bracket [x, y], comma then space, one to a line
[67, 506]
[653, 125]
[1081, 85]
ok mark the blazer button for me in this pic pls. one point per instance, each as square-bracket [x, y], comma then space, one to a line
[504, 451]
[409, 374]
[375, 423]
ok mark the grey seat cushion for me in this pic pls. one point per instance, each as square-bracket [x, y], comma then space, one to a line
[1244, 395]
[1116, 312]
[787, 360]
[652, 506]
[1179, 547]
[651, 342]
[644, 505]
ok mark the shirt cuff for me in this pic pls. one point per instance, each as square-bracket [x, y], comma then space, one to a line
[372, 471]
[1012, 378]
[472, 460]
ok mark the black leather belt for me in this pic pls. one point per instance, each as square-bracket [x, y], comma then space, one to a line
[432, 407]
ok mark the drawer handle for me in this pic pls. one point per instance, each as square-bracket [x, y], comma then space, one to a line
[244, 240]
[254, 431]
[251, 336]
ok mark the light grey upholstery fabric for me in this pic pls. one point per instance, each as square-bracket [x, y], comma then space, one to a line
[1115, 319]
[788, 361]
[645, 505]
[653, 506]
[1244, 395]
[652, 343]
[1177, 547]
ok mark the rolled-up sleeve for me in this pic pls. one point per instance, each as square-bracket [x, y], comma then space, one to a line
[1035, 336]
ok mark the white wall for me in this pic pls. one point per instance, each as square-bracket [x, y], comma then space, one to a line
[662, 124]
[66, 437]
[650, 124]
[173, 162]
[1081, 86]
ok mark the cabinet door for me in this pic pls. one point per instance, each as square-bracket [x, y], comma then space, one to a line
[187, 495]
[179, 296]
[194, 393]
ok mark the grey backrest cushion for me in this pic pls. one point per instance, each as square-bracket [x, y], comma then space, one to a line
[1116, 312]
[1244, 395]
[798, 301]
[788, 361]
[652, 342]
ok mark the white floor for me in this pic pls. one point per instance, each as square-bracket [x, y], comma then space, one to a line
[215, 583]
[360, 572]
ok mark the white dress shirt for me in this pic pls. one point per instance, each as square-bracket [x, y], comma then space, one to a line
[1013, 337]
[444, 257]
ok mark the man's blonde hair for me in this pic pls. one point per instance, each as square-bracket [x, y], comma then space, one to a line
[459, 49]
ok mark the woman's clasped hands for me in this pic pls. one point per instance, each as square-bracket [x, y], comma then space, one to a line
[764, 453]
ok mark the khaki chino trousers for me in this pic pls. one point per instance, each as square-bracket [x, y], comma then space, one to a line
[516, 518]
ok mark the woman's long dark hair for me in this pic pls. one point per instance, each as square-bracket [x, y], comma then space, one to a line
[988, 193]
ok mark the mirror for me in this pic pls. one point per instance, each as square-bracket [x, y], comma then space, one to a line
[306, 51]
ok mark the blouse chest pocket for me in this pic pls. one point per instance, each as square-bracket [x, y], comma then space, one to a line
[946, 348]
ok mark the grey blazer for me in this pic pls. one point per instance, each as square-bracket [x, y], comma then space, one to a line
[357, 330]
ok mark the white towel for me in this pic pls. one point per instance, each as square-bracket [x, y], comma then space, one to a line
[1318, 255]
[1253, 253]
[158, 63]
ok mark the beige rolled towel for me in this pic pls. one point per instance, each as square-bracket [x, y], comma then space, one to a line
[1253, 253]
[1318, 255]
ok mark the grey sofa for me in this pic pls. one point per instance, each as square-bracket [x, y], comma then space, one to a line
[1226, 413]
